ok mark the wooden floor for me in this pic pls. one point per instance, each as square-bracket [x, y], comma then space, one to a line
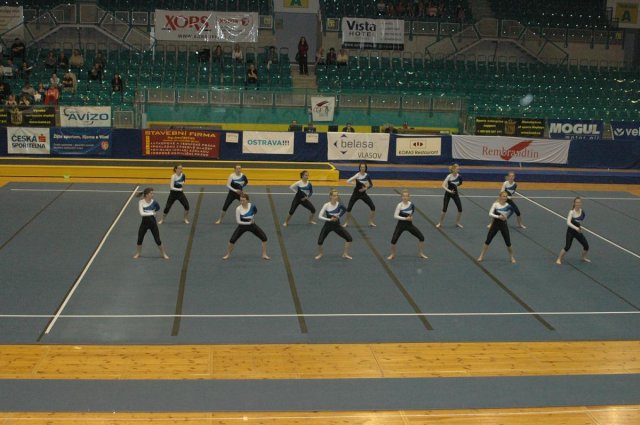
[340, 361]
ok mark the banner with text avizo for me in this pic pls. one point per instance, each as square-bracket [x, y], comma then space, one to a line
[381, 34]
[358, 146]
[85, 116]
[207, 26]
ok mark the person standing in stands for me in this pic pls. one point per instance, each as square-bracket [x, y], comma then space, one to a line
[450, 186]
[303, 51]
[245, 217]
[147, 208]
[176, 193]
[236, 182]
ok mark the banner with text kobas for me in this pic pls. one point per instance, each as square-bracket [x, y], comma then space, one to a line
[510, 149]
[81, 141]
[268, 142]
[358, 146]
[183, 143]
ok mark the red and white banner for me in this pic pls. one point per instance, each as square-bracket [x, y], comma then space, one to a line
[323, 107]
[181, 143]
[193, 25]
[28, 141]
[358, 146]
[510, 149]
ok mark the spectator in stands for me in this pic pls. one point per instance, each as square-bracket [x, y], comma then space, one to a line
[391, 11]
[343, 58]
[100, 62]
[381, 7]
[63, 62]
[422, 9]
[460, 13]
[320, 59]
[15, 71]
[76, 60]
[5, 90]
[348, 128]
[389, 128]
[236, 54]
[432, 10]
[301, 56]
[69, 82]
[24, 101]
[294, 126]
[310, 128]
[332, 58]
[18, 49]
[272, 56]
[52, 96]
[217, 55]
[50, 62]
[400, 8]
[40, 93]
[11, 101]
[95, 74]
[25, 71]
[28, 91]
[54, 81]
[116, 83]
[252, 76]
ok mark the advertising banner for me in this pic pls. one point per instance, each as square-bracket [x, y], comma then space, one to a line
[11, 19]
[418, 146]
[576, 129]
[182, 143]
[81, 141]
[207, 26]
[85, 116]
[379, 34]
[33, 116]
[28, 141]
[358, 146]
[626, 12]
[323, 108]
[296, 6]
[625, 131]
[519, 127]
[267, 142]
[510, 149]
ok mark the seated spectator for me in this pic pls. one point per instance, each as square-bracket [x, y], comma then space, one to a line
[381, 7]
[272, 56]
[28, 90]
[348, 128]
[294, 126]
[11, 101]
[342, 58]
[100, 62]
[320, 60]
[310, 128]
[63, 62]
[332, 58]
[5, 90]
[40, 93]
[24, 101]
[69, 82]
[77, 60]
[52, 96]
[18, 49]
[95, 74]
[432, 10]
[391, 11]
[14, 70]
[252, 76]
[217, 55]
[116, 83]
[50, 62]
[236, 55]
[25, 71]
[55, 81]
[422, 9]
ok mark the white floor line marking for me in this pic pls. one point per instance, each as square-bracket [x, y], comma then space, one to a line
[86, 268]
[414, 195]
[328, 315]
[628, 251]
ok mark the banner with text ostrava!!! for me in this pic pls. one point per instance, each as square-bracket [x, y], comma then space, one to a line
[510, 149]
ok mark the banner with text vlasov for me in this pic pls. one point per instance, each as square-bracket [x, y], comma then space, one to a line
[181, 143]
[28, 116]
[85, 116]
[358, 146]
[268, 142]
[576, 129]
[69, 141]
[28, 141]
[207, 26]
[364, 33]
[518, 127]
[510, 149]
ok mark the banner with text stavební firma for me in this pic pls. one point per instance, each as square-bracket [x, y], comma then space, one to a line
[181, 143]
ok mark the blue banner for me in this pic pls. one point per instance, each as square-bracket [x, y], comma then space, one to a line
[626, 131]
[576, 129]
[81, 141]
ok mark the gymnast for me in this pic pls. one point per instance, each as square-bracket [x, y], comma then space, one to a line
[176, 193]
[147, 208]
[303, 190]
[362, 182]
[450, 186]
[510, 187]
[236, 183]
[404, 215]
[500, 212]
[574, 231]
[245, 217]
[330, 214]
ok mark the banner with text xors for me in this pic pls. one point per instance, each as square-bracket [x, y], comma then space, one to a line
[85, 116]
[207, 26]
[510, 149]
[181, 143]
[381, 34]
[268, 142]
[357, 146]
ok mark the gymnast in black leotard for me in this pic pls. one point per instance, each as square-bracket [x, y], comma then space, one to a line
[245, 217]
[404, 215]
[330, 214]
[574, 231]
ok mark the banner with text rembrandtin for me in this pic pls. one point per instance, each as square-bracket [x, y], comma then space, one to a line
[510, 149]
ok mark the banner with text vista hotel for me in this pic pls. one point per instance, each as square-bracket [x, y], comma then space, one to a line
[380, 34]
[510, 149]
[206, 26]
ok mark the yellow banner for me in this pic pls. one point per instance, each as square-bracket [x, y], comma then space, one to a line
[296, 4]
[627, 13]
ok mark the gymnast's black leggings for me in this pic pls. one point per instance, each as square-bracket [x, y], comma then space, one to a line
[409, 227]
[149, 223]
[297, 200]
[499, 226]
[231, 196]
[333, 226]
[574, 234]
[243, 228]
[456, 198]
[176, 195]
[357, 195]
